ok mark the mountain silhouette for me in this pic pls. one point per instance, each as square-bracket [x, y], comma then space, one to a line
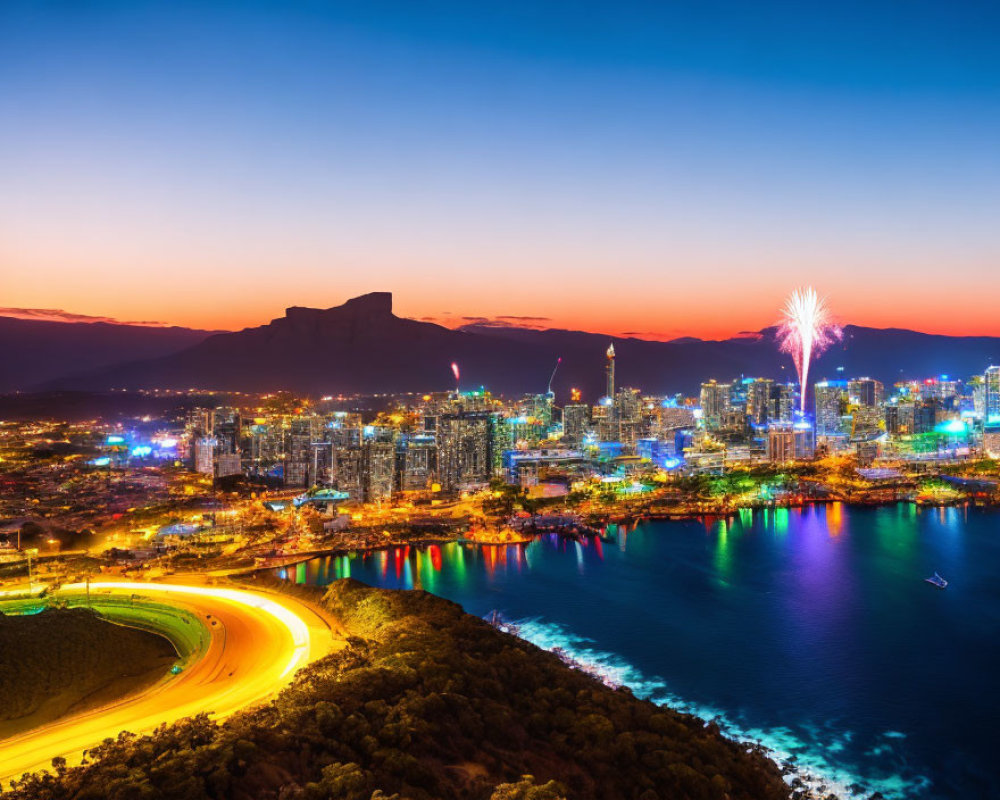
[363, 347]
[39, 351]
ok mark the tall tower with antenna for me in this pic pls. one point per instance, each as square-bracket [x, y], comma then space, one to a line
[610, 368]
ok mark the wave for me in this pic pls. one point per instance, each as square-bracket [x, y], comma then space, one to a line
[802, 752]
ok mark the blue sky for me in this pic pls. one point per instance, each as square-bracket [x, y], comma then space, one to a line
[668, 168]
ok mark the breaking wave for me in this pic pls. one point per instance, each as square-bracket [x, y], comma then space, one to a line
[802, 753]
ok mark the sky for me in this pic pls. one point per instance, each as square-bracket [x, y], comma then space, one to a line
[653, 169]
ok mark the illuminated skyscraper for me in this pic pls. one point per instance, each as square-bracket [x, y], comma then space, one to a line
[831, 402]
[759, 401]
[788, 442]
[378, 467]
[576, 422]
[991, 394]
[610, 368]
[416, 461]
[865, 392]
[465, 448]
[714, 403]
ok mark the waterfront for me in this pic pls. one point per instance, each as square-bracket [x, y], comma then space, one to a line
[811, 630]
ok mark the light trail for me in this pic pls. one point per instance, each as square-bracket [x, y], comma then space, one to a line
[298, 630]
[256, 644]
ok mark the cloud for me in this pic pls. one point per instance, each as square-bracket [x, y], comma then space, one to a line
[507, 321]
[59, 315]
[658, 336]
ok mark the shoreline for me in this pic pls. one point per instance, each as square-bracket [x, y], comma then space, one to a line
[806, 781]
[593, 525]
[801, 760]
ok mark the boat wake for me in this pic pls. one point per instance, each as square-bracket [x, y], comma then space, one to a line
[807, 754]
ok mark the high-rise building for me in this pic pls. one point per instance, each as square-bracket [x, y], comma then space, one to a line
[378, 466]
[790, 442]
[714, 403]
[866, 422]
[866, 392]
[899, 418]
[227, 464]
[926, 415]
[831, 402]
[576, 423]
[759, 401]
[204, 455]
[299, 434]
[465, 448]
[346, 469]
[610, 370]
[991, 440]
[627, 414]
[991, 395]
[416, 461]
[783, 402]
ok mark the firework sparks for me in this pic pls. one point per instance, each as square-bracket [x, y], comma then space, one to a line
[455, 372]
[806, 330]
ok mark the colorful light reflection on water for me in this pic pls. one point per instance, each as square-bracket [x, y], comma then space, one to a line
[810, 629]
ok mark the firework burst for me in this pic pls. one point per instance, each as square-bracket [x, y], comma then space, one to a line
[806, 330]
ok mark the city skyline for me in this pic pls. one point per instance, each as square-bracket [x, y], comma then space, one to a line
[487, 401]
[605, 170]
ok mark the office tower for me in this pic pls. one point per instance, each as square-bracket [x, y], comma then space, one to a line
[346, 468]
[790, 442]
[200, 422]
[899, 418]
[759, 401]
[378, 466]
[416, 461]
[627, 413]
[227, 464]
[465, 448]
[991, 440]
[866, 421]
[714, 403]
[536, 407]
[866, 392]
[831, 401]
[784, 399]
[227, 430]
[991, 394]
[299, 434]
[204, 455]
[610, 369]
[576, 423]
[200, 425]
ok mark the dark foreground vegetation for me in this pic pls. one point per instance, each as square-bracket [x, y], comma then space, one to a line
[427, 703]
[65, 660]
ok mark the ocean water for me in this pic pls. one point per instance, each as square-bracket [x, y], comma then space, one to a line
[811, 631]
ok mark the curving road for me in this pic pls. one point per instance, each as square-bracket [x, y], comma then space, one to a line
[257, 643]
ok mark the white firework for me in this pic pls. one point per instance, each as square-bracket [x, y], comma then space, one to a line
[806, 330]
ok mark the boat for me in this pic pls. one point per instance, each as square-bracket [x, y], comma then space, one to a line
[937, 580]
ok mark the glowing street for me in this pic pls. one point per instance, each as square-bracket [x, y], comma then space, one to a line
[256, 644]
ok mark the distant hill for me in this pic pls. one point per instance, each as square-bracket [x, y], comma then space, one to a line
[38, 351]
[362, 347]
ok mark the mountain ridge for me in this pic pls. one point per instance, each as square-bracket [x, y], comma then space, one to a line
[361, 346]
